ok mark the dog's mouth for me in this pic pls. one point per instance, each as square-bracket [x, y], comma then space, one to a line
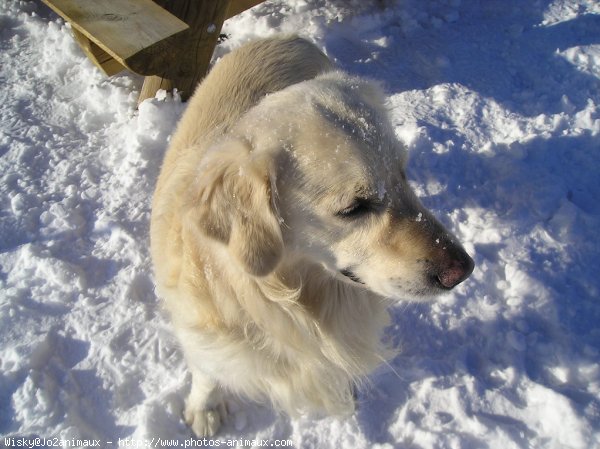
[353, 277]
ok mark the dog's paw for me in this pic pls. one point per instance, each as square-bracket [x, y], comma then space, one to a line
[204, 423]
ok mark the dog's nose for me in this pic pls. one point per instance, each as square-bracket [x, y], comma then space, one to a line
[457, 270]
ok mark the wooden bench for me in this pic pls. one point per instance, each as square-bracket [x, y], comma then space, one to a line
[171, 42]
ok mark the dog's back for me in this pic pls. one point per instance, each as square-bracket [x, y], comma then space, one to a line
[241, 79]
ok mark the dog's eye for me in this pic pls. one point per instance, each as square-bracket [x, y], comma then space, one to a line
[358, 208]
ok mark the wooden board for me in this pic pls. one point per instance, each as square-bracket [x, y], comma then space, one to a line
[238, 6]
[133, 32]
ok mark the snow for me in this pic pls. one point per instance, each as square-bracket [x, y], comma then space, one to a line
[498, 102]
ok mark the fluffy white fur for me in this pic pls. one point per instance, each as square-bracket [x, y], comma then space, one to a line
[281, 220]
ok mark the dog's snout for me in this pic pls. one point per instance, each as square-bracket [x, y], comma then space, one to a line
[458, 268]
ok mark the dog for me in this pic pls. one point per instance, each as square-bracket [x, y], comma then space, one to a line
[282, 225]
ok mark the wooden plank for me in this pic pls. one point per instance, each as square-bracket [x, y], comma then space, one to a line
[238, 6]
[105, 62]
[128, 30]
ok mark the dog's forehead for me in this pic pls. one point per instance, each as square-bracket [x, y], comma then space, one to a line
[331, 162]
[356, 143]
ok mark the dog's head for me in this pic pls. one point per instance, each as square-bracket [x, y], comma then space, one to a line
[315, 172]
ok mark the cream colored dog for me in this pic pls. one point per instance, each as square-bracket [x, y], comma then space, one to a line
[281, 222]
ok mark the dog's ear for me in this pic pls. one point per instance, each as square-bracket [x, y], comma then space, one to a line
[234, 203]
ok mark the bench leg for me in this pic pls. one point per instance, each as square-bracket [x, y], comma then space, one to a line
[195, 49]
[153, 84]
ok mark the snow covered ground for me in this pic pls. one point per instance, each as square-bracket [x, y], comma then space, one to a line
[499, 104]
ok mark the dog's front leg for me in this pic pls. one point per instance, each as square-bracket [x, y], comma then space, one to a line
[204, 407]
